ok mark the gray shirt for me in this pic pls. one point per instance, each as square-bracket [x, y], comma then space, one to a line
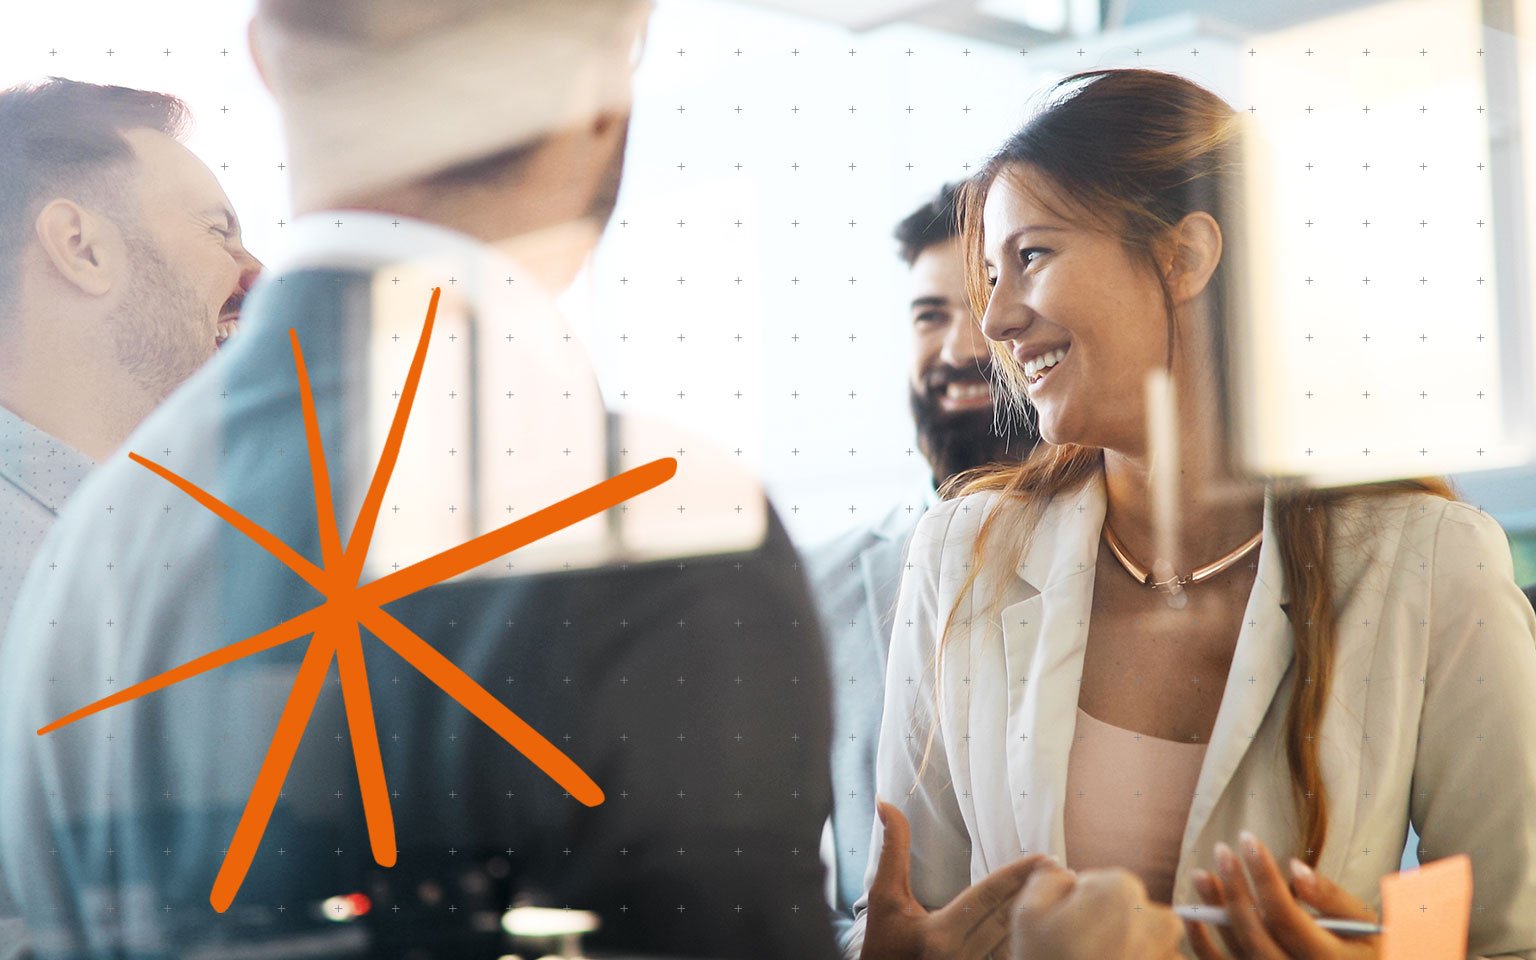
[37, 474]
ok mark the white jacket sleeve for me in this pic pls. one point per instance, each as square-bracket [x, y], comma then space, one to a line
[1474, 778]
[941, 844]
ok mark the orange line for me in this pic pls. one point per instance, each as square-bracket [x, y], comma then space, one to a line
[320, 474]
[266, 640]
[368, 514]
[365, 744]
[335, 624]
[503, 540]
[269, 781]
[263, 538]
[478, 701]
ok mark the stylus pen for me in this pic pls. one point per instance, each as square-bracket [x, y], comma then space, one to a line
[1201, 913]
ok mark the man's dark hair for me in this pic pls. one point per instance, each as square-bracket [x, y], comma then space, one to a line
[64, 138]
[933, 222]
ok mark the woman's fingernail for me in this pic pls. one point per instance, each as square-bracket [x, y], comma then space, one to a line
[1302, 873]
[1250, 845]
[1224, 858]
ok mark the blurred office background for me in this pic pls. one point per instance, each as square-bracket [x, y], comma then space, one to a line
[749, 288]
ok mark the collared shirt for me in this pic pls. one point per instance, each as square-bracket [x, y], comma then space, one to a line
[37, 474]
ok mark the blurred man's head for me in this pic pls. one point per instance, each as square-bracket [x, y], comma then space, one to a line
[500, 118]
[121, 266]
[951, 370]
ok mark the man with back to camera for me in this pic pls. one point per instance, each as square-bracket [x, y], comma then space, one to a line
[121, 271]
[857, 574]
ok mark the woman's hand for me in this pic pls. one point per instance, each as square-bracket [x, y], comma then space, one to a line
[1266, 921]
[1095, 915]
[969, 927]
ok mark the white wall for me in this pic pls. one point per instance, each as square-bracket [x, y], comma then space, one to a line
[829, 459]
[852, 337]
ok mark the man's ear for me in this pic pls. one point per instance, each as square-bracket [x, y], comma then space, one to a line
[1191, 252]
[610, 124]
[85, 250]
[254, 45]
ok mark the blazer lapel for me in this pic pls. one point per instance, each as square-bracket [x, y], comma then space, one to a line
[1265, 648]
[1044, 638]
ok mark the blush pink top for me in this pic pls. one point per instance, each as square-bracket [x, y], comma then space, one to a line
[1128, 797]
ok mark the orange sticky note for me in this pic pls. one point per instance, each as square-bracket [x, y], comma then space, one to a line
[1424, 912]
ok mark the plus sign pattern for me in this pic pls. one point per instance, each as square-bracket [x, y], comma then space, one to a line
[745, 290]
[691, 688]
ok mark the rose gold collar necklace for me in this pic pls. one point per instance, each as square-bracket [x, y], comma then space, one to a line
[1144, 576]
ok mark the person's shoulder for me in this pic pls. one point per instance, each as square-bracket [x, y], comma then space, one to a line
[1467, 536]
[829, 555]
[895, 525]
[1426, 525]
[1443, 555]
[123, 511]
[1460, 513]
[952, 524]
[107, 500]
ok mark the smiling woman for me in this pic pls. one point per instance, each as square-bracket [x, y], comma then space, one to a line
[1064, 707]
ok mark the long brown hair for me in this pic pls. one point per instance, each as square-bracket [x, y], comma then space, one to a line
[1136, 151]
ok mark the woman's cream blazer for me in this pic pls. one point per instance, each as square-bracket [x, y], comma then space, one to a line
[1432, 718]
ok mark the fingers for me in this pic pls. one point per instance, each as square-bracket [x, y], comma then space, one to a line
[1048, 885]
[1200, 939]
[1209, 888]
[1114, 885]
[1154, 928]
[1212, 892]
[977, 916]
[1166, 932]
[1327, 897]
[995, 889]
[1243, 917]
[1290, 926]
[893, 872]
[981, 930]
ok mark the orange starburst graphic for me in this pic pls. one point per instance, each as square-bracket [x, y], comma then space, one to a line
[334, 627]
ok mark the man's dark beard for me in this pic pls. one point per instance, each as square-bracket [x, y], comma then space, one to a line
[958, 441]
